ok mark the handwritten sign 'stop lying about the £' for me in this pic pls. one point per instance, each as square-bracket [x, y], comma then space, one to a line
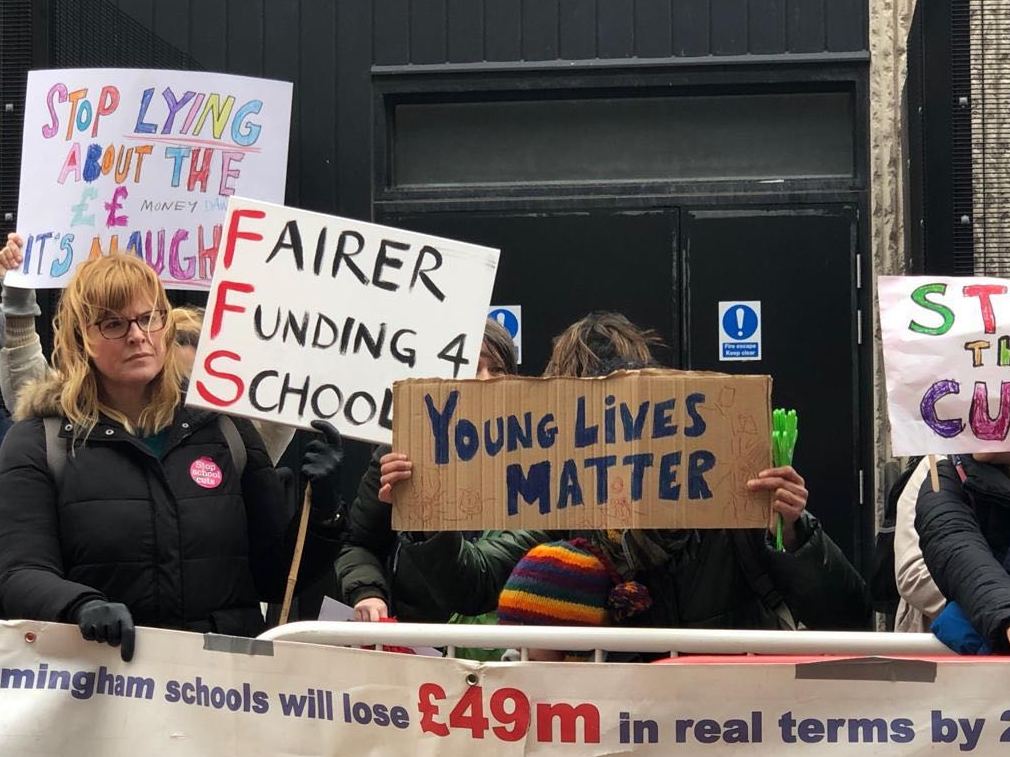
[946, 344]
[143, 161]
[314, 317]
[647, 449]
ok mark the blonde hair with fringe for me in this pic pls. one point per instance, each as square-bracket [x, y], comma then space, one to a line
[582, 348]
[103, 285]
[188, 324]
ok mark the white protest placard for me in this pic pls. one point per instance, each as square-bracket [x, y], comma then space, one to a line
[314, 317]
[946, 345]
[189, 695]
[143, 161]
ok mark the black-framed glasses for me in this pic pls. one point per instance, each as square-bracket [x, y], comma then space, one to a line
[117, 327]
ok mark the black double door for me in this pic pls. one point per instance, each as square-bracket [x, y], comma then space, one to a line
[668, 269]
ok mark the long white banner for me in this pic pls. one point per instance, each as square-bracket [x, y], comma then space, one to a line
[186, 694]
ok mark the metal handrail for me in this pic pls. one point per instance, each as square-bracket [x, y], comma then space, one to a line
[662, 640]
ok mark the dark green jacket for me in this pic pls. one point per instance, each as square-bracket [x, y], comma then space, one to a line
[405, 569]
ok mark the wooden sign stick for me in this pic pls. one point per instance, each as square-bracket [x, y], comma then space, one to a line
[296, 560]
[934, 477]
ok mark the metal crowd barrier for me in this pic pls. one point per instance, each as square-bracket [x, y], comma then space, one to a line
[672, 641]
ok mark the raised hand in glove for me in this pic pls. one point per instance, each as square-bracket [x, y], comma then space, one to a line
[321, 465]
[109, 622]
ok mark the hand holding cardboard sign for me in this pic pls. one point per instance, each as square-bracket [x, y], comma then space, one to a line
[789, 493]
[393, 467]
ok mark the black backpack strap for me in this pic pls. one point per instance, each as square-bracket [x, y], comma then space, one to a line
[235, 444]
[758, 578]
[56, 451]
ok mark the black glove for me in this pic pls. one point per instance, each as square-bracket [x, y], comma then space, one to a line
[321, 465]
[110, 622]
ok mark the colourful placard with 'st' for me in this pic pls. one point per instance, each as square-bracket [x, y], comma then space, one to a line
[946, 345]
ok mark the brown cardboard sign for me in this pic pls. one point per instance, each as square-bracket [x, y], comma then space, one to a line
[638, 449]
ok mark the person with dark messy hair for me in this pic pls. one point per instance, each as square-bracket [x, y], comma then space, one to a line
[599, 339]
[717, 578]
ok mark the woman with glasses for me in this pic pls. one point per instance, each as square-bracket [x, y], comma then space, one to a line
[22, 361]
[121, 506]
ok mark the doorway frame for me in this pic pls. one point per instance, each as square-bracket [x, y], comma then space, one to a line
[392, 85]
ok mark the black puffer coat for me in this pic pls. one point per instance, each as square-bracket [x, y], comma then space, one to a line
[964, 532]
[129, 527]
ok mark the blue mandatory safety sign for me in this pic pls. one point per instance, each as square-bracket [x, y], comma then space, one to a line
[511, 319]
[740, 330]
[740, 322]
[507, 319]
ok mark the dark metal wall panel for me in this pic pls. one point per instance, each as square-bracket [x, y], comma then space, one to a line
[208, 31]
[728, 27]
[845, 25]
[354, 124]
[615, 29]
[578, 29]
[390, 32]
[766, 26]
[540, 30]
[428, 31]
[465, 31]
[503, 30]
[172, 23]
[691, 28]
[245, 40]
[15, 60]
[135, 37]
[281, 60]
[805, 30]
[653, 30]
[317, 106]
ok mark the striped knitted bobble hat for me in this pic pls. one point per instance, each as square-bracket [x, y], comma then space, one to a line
[566, 583]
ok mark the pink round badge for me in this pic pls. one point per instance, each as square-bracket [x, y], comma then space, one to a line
[205, 473]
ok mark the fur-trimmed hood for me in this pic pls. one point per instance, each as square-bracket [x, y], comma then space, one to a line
[40, 398]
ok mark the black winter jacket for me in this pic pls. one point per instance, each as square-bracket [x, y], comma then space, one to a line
[375, 561]
[129, 527]
[964, 532]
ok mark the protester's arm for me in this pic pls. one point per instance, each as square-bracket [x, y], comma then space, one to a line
[21, 358]
[821, 587]
[32, 582]
[915, 584]
[960, 559]
[361, 575]
[370, 540]
[273, 524]
[466, 577]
